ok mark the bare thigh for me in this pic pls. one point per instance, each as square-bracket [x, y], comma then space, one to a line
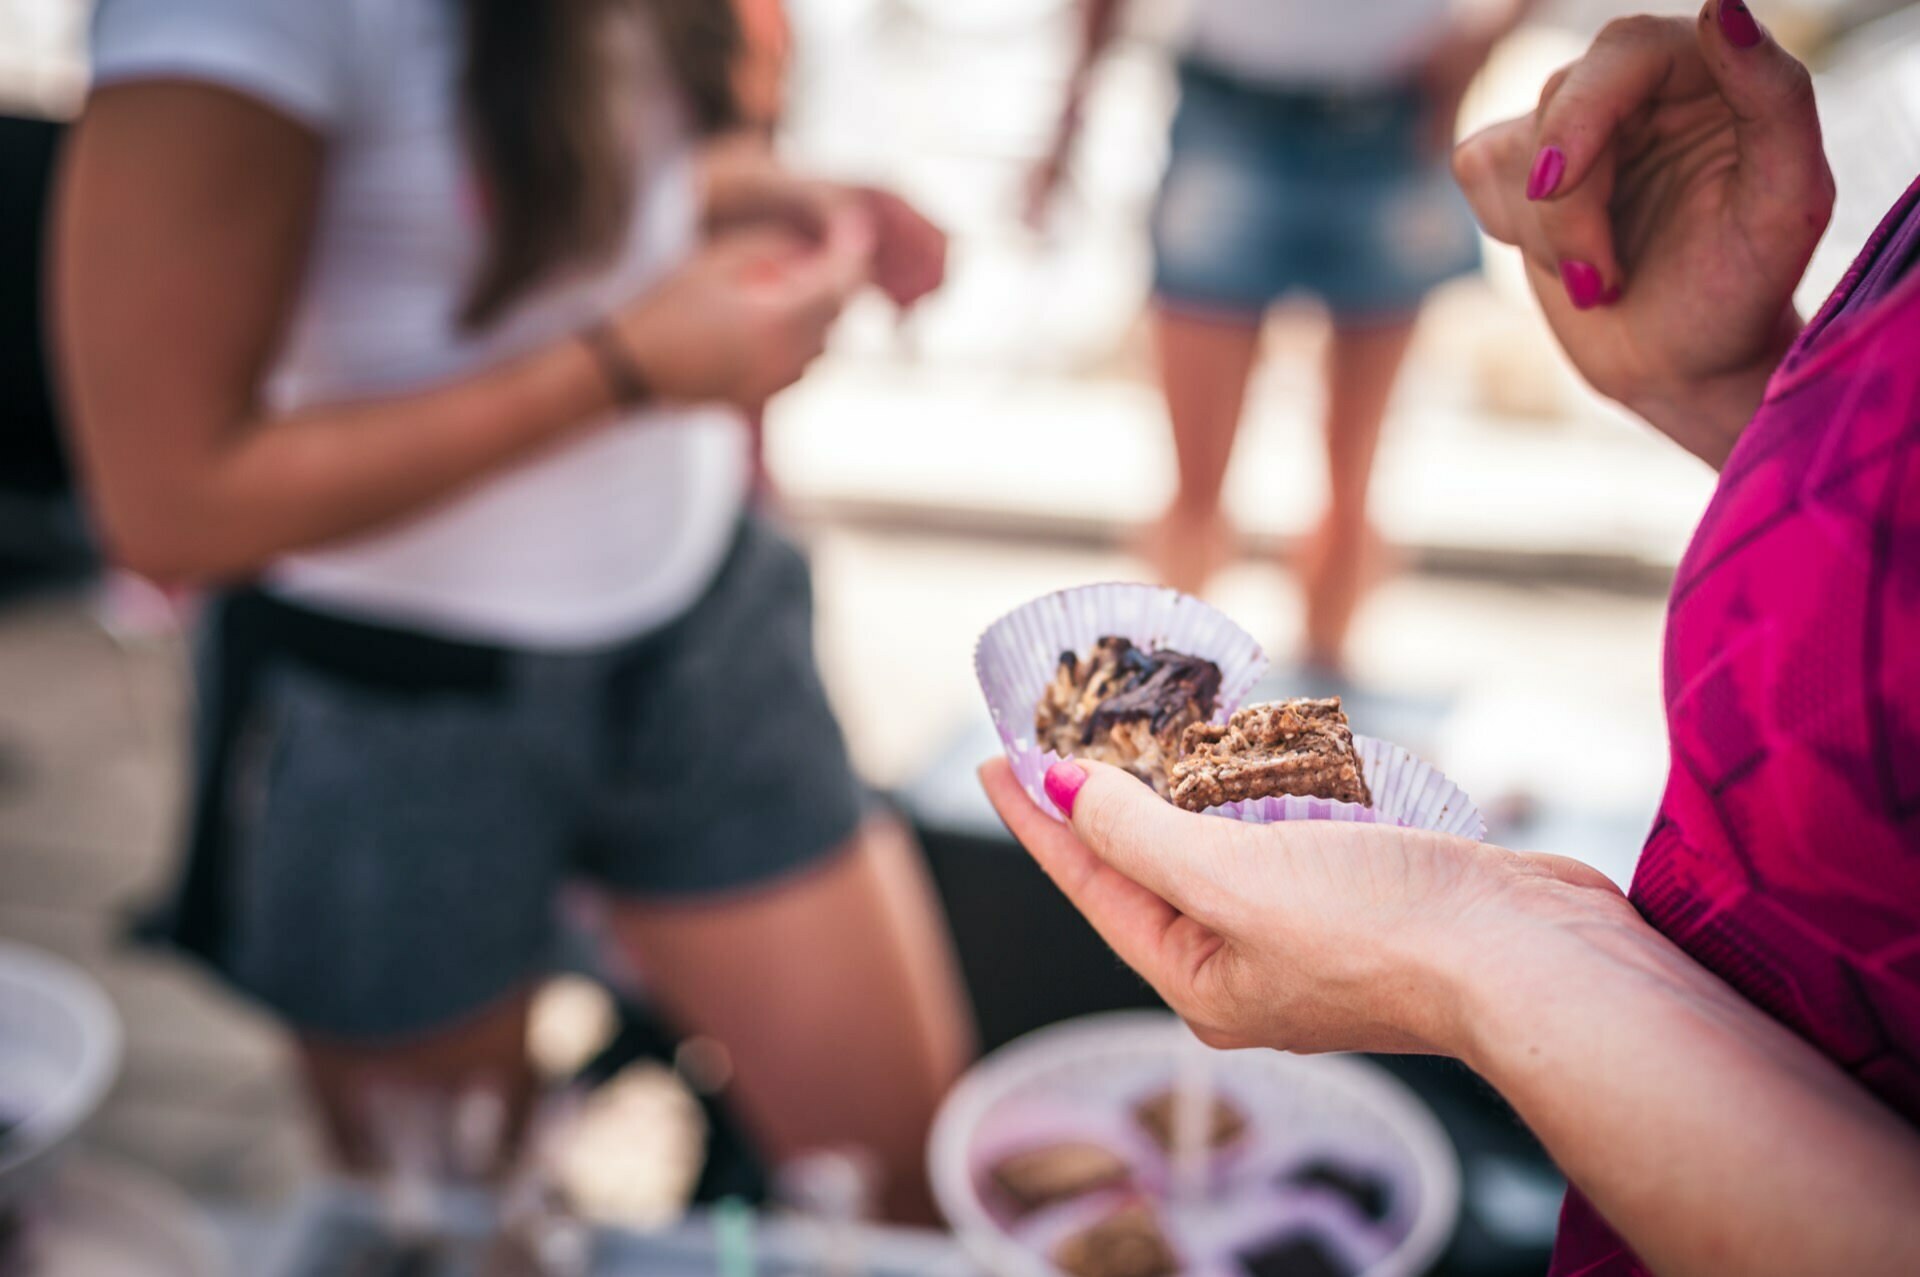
[836, 995]
[482, 1058]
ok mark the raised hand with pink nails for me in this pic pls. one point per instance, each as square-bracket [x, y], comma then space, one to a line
[1666, 193]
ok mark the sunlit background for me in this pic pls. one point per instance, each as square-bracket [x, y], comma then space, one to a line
[1003, 441]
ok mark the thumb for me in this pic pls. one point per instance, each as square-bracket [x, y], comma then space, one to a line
[1175, 854]
[1784, 181]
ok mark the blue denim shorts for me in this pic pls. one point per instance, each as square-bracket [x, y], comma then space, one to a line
[1339, 196]
[383, 819]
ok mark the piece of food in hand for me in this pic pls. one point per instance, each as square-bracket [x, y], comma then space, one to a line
[1366, 1193]
[1054, 1172]
[1301, 748]
[1300, 1255]
[1127, 706]
[1155, 1114]
[1127, 1243]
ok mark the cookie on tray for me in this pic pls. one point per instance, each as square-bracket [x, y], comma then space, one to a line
[1039, 1177]
[1155, 1115]
[1127, 1243]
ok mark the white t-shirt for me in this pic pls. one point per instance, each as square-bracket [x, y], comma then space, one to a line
[610, 533]
[1315, 43]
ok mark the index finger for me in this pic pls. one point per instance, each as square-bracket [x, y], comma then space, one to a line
[1634, 63]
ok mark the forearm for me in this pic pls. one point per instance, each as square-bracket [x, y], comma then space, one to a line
[321, 475]
[1711, 1137]
[1099, 20]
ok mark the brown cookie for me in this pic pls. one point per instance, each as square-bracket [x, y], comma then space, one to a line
[1127, 1243]
[1054, 1172]
[1225, 1122]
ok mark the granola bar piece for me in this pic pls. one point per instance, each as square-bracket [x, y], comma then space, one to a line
[1298, 747]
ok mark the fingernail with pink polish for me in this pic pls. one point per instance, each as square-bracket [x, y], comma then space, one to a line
[1737, 24]
[1548, 167]
[1584, 285]
[1064, 779]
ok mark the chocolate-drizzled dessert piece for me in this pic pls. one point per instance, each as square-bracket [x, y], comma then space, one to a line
[1127, 1243]
[1301, 1255]
[1300, 747]
[1127, 706]
[1155, 1114]
[1041, 1176]
[1366, 1193]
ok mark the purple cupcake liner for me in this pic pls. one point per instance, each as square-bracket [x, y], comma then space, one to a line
[1406, 791]
[1017, 656]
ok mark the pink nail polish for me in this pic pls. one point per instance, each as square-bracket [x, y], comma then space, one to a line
[1584, 286]
[1548, 167]
[1064, 780]
[1737, 24]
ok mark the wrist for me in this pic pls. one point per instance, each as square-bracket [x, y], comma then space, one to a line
[1706, 416]
[627, 383]
[643, 330]
[1541, 941]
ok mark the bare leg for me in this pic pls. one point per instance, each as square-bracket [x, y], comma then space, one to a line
[486, 1052]
[1339, 559]
[836, 996]
[1204, 365]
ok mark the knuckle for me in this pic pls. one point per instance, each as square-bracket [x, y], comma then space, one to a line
[1471, 162]
[1555, 82]
[1797, 89]
[1103, 816]
[1634, 29]
[1217, 1036]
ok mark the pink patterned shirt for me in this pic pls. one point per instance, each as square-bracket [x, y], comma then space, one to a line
[1786, 855]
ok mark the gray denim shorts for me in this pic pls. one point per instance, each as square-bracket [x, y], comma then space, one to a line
[383, 819]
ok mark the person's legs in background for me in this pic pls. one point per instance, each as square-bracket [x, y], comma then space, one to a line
[475, 1076]
[1340, 558]
[836, 997]
[1205, 362]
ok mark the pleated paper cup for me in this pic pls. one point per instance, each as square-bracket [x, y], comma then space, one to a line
[1019, 654]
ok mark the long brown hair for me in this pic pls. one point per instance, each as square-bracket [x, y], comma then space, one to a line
[555, 163]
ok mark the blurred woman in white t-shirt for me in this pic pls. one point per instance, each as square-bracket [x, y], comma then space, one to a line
[1308, 155]
[422, 331]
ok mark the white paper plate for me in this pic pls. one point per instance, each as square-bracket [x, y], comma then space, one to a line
[1079, 1079]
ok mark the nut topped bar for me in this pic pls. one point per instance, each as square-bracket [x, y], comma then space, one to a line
[1302, 748]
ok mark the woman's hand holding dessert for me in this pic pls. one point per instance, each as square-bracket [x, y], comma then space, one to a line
[1301, 935]
[1667, 194]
